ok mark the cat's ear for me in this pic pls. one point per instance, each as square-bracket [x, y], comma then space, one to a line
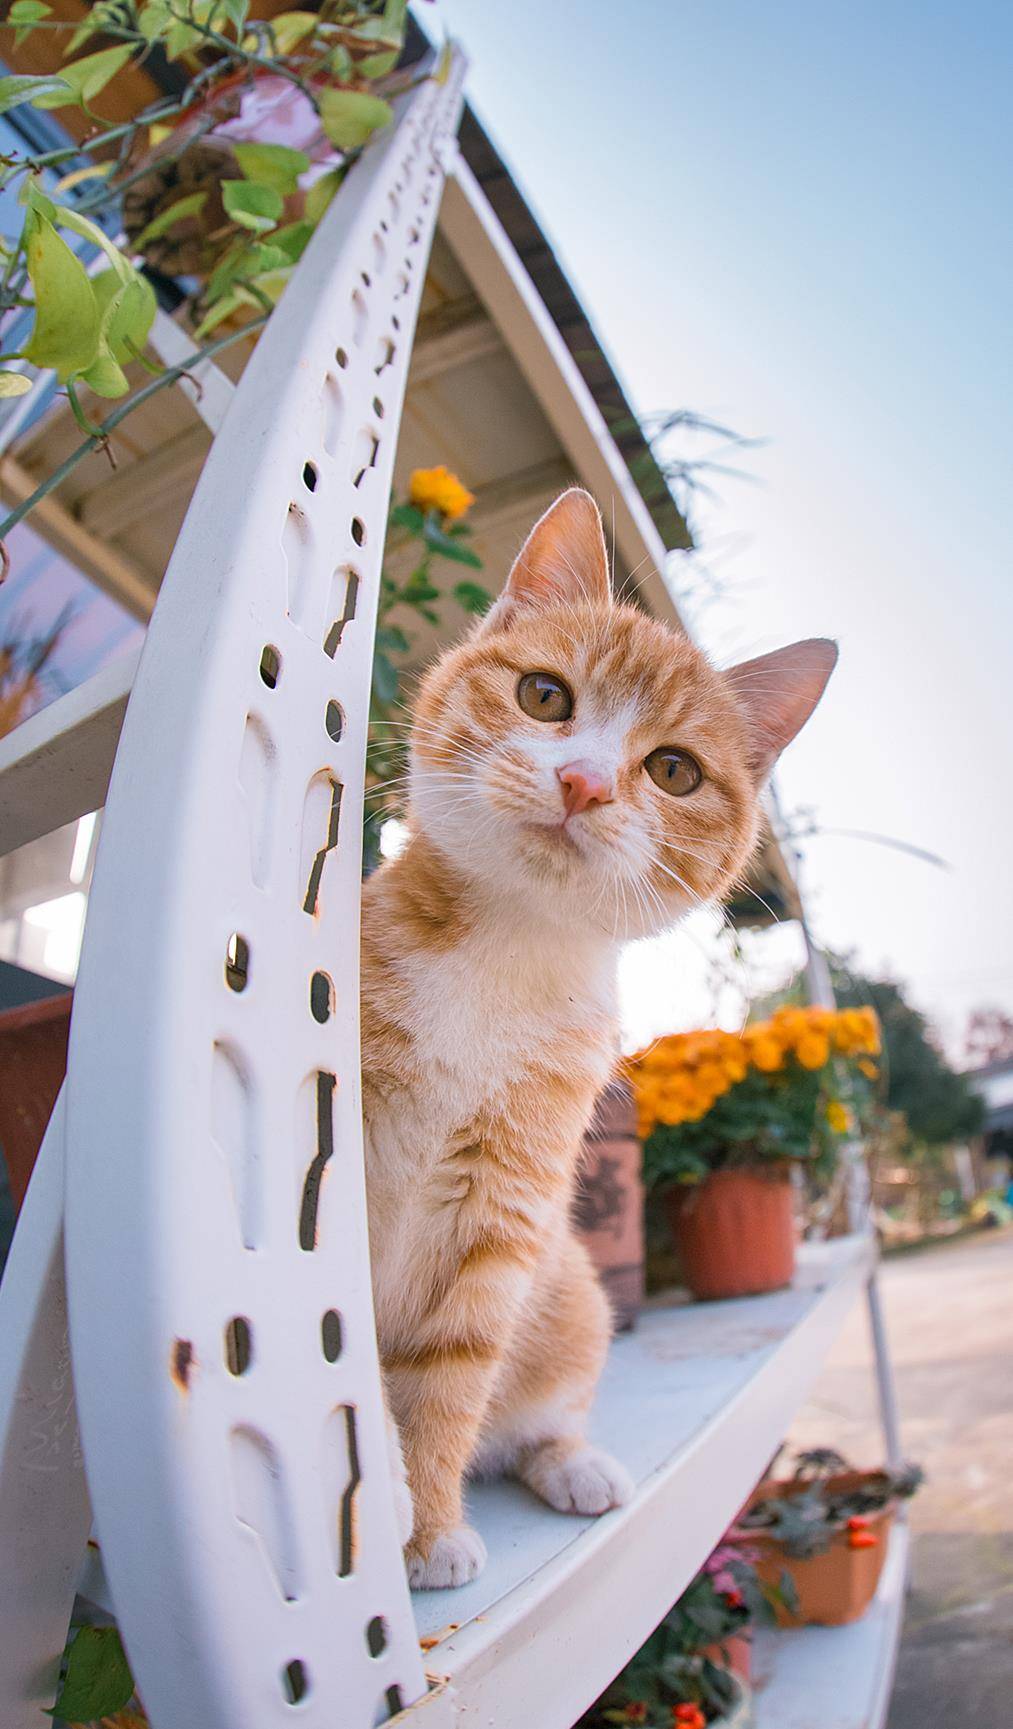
[563, 559]
[777, 693]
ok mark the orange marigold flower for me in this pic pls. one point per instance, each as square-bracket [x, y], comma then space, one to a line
[868, 1068]
[862, 1540]
[813, 1050]
[767, 1054]
[858, 1522]
[689, 1717]
[438, 489]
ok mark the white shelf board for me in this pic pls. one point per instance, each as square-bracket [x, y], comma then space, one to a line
[835, 1677]
[694, 1402]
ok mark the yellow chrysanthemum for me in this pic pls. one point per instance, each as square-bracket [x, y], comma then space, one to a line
[838, 1116]
[438, 489]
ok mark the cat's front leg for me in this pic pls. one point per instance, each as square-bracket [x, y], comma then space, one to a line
[440, 1389]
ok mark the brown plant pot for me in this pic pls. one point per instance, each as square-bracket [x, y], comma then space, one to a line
[734, 1654]
[735, 1232]
[33, 1062]
[837, 1586]
[609, 1203]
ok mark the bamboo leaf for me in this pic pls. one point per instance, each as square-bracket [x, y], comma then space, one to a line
[253, 206]
[87, 77]
[272, 165]
[350, 117]
[98, 1681]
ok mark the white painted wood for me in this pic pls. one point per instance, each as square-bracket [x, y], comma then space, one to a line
[44, 1510]
[505, 289]
[202, 1119]
[835, 1677]
[210, 389]
[56, 765]
[694, 1402]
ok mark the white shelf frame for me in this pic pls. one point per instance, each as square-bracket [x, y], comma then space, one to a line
[194, 1119]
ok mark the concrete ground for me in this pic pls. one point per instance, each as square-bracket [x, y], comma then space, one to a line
[949, 1312]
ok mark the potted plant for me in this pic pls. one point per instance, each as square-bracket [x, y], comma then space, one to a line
[724, 1117]
[829, 1527]
[693, 1671]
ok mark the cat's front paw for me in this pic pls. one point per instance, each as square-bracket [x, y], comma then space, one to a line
[453, 1558]
[587, 1481]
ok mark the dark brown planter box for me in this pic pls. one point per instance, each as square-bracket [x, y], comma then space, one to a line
[33, 1062]
[609, 1203]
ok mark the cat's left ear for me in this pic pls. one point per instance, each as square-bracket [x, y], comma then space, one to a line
[777, 693]
[563, 559]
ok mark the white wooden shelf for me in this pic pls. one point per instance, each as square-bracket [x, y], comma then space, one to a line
[694, 1402]
[835, 1677]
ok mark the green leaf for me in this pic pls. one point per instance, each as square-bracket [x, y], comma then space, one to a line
[28, 11]
[236, 12]
[394, 14]
[15, 383]
[472, 597]
[95, 171]
[66, 331]
[272, 165]
[253, 206]
[87, 77]
[222, 310]
[98, 1681]
[407, 516]
[447, 547]
[321, 192]
[155, 20]
[167, 218]
[289, 28]
[377, 65]
[385, 678]
[339, 63]
[417, 589]
[128, 311]
[388, 637]
[350, 117]
[292, 240]
[63, 216]
[15, 90]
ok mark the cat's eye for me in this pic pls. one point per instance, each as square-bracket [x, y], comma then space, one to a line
[675, 771]
[544, 697]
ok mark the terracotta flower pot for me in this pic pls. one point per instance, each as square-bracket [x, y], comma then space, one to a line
[609, 1203]
[837, 1586]
[33, 1062]
[735, 1232]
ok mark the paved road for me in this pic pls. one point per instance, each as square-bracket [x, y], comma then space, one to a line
[950, 1318]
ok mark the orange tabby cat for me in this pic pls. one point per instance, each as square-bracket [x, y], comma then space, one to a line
[579, 775]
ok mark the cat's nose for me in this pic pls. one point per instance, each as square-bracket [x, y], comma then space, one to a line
[582, 785]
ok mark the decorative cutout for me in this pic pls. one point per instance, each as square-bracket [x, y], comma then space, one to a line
[344, 584]
[334, 721]
[364, 456]
[235, 1133]
[376, 1636]
[295, 1681]
[360, 318]
[310, 476]
[384, 355]
[310, 1205]
[270, 665]
[378, 408]
[389, 1706]
[358, 531]
[258, 763]
[237, 962]
[341, 357]
[238, 1345]
[342, 1476]
[297, 547]
[261, 1502]
[321, 814]
[321, 997]
[181, 1363]
[331, 1335]
[333, 413]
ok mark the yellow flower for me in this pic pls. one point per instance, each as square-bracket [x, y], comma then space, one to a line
[438, 489]
[767, 1054]
[813, 1051]
[838, 1116]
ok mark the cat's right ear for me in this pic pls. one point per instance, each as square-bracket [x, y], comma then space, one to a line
[563, 559]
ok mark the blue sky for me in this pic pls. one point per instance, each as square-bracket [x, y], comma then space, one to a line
[798, 219]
